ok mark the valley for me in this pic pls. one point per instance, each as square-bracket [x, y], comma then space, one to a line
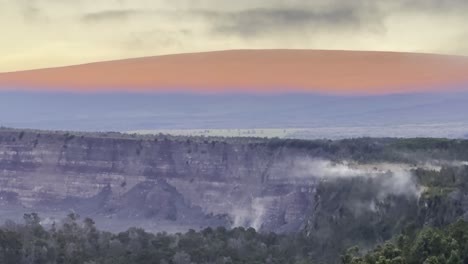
[327, 190]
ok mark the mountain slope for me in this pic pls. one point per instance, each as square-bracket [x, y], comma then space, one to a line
[256, 71]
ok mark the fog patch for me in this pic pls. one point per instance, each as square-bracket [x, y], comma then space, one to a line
[392, 179]
[399, 182]
[360, 207]
[439, 164]
[252, 215]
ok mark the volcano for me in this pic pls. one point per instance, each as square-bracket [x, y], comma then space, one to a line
[258, 71]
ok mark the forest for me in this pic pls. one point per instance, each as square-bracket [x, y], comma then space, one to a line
[77, 241]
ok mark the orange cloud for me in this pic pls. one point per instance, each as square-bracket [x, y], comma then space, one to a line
[255, 71]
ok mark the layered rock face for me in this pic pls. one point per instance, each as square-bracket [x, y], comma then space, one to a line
[181, 180]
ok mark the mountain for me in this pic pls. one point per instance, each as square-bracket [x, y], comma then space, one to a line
[256, 71]
[317, 90]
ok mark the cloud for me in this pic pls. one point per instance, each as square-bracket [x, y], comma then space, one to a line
[31, 10]
[111, 15]
[252, 22]
[439, 6]
[121, 15]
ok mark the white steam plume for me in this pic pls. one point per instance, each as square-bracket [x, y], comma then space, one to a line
[394, 179]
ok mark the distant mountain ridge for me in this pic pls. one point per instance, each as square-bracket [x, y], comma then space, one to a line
[257, 71]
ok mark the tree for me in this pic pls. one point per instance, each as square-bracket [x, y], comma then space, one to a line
[181, 258]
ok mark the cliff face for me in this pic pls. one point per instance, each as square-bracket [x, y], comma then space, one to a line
[205, 182]
[326, 188]
[335, 193]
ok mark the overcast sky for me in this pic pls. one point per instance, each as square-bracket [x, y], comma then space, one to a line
[45, 33]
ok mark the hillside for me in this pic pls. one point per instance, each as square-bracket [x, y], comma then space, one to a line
[256, 71]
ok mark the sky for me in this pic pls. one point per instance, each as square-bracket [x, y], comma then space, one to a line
[49, 33]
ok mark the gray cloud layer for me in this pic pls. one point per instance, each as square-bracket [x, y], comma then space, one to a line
[436, 5]
[248, 23]
[264, 12]
[110, 15]
[257, 19]
[251, 21]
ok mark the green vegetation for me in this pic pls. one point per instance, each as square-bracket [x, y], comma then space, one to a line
[428, 246]
[77, 242]
[363, 150]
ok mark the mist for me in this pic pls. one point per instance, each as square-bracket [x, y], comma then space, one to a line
[391, 179]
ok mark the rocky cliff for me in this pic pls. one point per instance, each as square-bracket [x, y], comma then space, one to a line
[203, 181]
[272, 185]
